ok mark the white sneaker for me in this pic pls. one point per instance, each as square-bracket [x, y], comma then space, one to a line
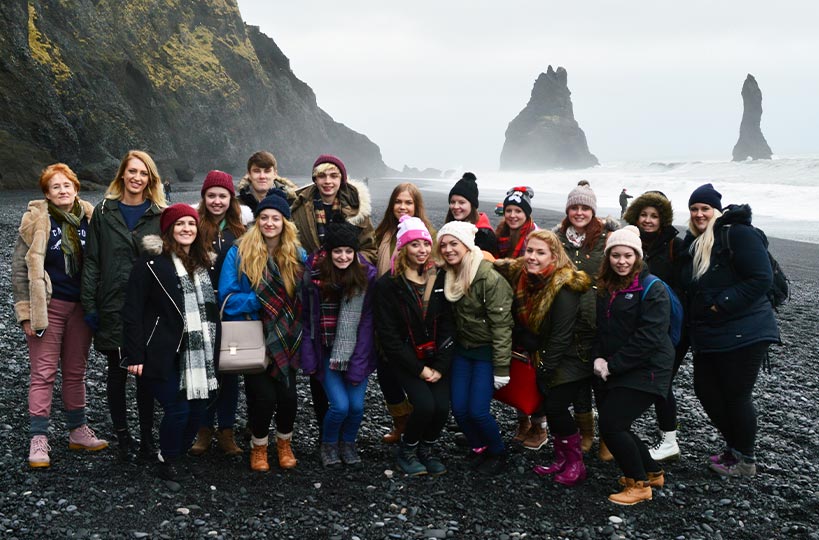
[666, 449]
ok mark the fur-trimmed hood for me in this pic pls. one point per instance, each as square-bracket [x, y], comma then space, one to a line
[286, 183]
[650, 198]
[354, 197]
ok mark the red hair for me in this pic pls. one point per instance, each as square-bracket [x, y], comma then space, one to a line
[49, 172]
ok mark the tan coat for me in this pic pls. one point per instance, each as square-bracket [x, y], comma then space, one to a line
[31, 286]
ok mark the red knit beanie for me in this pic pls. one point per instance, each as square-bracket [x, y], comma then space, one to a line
[218, 179]
[174, 212]
[327, 158]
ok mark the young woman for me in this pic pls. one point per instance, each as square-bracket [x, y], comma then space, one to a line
[414, 325]
[732, 323]
[652, 213]
[220, 224]
[173, 328]
[262, 278]
[583, 236]
[633, 356]
[339, 351]
[547, 300]
[405, 200]
[481, 304]
[130, 211]
[463, 206]
[516, 224]
[45, 274]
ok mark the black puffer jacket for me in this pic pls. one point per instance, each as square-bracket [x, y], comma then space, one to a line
[737, 288]
[632, 335]
[397, 313]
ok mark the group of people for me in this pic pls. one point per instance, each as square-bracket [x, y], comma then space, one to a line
[438, 315]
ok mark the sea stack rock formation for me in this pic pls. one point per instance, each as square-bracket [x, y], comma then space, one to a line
[188, 82]
[545, 134]
[751, 143]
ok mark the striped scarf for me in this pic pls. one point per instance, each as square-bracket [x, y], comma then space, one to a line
[505, 242]
[322, 219]
[526, 290]
[281, 317]
[197, 375]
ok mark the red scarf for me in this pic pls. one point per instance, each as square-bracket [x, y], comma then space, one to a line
[505, 242]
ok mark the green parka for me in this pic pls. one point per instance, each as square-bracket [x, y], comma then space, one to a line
[110, 253]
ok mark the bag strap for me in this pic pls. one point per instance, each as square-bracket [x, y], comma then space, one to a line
[648, 286]
[222, 309]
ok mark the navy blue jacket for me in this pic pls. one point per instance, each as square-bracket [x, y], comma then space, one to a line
[737, 288]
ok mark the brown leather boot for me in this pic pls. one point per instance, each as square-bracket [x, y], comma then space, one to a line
[635, 491]
[400, 415]
[286, 458]
[522, 432]
[227, 443]
[258, 458]
[202, 443]
[655, 479]
[603, 452]
[585, 423]
[536, 438]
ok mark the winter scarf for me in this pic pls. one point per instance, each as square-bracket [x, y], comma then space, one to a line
[526, 290]
[281, 317]
[349, 316]
[575, 238]
[322, 219]
[197, 375]
[69, 224]
[505, 242]
[453, 289]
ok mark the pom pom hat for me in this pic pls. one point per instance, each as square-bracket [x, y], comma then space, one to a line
[584, 195]
[466, 187]
[521, 197]
[410, 229]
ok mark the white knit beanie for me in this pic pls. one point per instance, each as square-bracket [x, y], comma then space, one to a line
[462, 230]
[627, 236]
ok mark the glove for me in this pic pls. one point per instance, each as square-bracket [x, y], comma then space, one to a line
[544, 382]
[601, 368]
[93, 321]
[523, 337]
[500, 382]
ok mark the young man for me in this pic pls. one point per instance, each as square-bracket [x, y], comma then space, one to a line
[130, 211]
[262, 176]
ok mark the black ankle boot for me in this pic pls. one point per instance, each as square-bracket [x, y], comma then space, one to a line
[147, 450]
[167, 470]
[126, 446]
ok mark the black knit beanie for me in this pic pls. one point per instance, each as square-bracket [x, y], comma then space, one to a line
[467, 187]
[341, 234]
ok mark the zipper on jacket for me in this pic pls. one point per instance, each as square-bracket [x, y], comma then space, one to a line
[182, 335]
[156, 323]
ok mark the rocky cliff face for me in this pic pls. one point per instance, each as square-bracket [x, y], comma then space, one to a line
[751, 143]
[189, 82]
[545, 134]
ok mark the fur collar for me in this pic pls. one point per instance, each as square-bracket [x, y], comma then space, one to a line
[36, 218]
[650, 198]
[152, 244]
[354, 196]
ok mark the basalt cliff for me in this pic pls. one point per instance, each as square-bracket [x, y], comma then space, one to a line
[189, 82]
[751, 143]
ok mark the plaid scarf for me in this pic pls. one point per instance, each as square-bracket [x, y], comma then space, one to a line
[281, 317]
[526, 290]
[197, 375]
[505, 242]
[322, 219]
[349, 315]
[70, 243]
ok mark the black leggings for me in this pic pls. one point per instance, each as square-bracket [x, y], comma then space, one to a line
[320, 402]
[430, 406]
[666, 408]
[115, 391]
[556, 407]
[389, 382]
[619, 407]
[724, 383]
[266, 394]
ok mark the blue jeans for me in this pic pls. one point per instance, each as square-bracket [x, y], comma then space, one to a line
[224, 407]
[181, 417]
[472, 386]
[346, 410]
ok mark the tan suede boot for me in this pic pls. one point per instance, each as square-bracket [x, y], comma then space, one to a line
[537, 437]
[286, 458]
[202, 444]
[227, 443]
[585, 423]
[522, 432]
[635, 491]
[655, 479]
[258, 458]
[400, 415]
[603, 452]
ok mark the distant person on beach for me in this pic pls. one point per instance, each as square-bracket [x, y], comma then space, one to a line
[45, 275]
[338, 348]
[732, 322]
[332, 196]
[262, 278]
[413, 322]
[633, 356]
[262, 176]
[173, 329]
[547, 291]
[482, 307]
[130, 211]
[463, 206]
[220, 225]
[624, 197]
[405, 200]
[652, 213]
[583, 236]
[167, 185]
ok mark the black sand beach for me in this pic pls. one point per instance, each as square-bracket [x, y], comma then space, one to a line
[95, 496]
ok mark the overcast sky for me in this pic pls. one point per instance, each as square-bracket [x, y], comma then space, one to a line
[435, 83]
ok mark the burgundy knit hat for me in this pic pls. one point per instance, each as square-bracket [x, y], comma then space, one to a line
[174, 212]
[218, 179]
[327, 158]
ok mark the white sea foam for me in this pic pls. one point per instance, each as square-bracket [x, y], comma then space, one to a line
[783, 193]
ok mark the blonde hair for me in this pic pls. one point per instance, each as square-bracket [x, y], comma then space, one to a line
[402, 262]
[253, 254]
[154, 191]
[323, 168]
[463, 274]
[562, 260]
[703, 245]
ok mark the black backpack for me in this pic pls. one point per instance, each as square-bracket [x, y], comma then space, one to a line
[779, 292]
